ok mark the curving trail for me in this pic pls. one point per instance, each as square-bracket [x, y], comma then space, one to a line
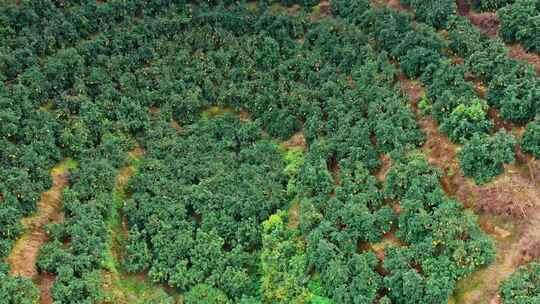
[24, 254]
[120, 287]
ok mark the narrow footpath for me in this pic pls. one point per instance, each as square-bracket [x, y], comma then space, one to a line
[24, 254]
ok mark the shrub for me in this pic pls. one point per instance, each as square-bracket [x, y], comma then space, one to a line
[523, 286]
[466, 120]
[483, 156]
[515, 18]
[205, 294]
[434, 12]
[530, 142]
[283, 263]
[417, 59]
[17, 290]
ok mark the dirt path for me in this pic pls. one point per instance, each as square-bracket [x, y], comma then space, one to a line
[123, 288]
[23, 257]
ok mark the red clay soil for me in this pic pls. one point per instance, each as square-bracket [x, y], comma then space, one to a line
[244, 116]
[463, 7]
[389, 239]
[175, 125]
[322, 10]
[394, 4]
[45, 283]
[413, 89]
[385, 167]
[516, 51]
[498, 122]
[488, 22]
[335, 169]
[324, 7]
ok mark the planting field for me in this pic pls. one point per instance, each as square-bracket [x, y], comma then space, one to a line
[272, 151]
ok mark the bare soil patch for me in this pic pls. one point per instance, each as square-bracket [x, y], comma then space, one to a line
[463, 7]
[498, 121]
[512, 194]
[412, 88]
[294, 215]
[320, 11]
[394, 4]
[175, 125]
[388, 240]
[385, 167]
[45, 283]
[296, 141]
[488, 23]
[517, 51]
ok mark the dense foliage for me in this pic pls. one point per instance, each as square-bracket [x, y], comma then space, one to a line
[490, 5]
[520, 22]
[433, 12]
[17, 290]
[523, 287]
[530, 141]
[208, 89]
[193, 221]
[466, 120]
[283, 263]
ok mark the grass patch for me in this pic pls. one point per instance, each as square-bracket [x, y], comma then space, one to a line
[294, 160]
[214, 111]
[134, 289]
[65, 165]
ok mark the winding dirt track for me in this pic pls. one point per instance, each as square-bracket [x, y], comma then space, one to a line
[24, 254]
